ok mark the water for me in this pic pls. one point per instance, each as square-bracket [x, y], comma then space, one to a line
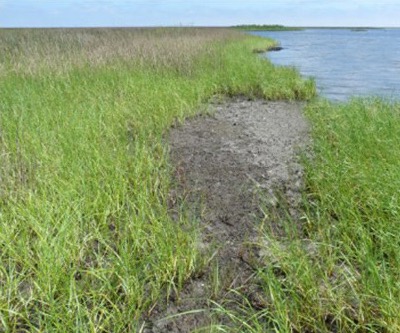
[343, 62]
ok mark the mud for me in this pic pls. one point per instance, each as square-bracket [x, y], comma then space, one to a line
[228, 168]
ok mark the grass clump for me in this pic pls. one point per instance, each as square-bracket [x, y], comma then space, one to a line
[86, 239]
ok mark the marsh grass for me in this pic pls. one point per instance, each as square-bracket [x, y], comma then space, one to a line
[87, 243]
[338, 272]
[60, 50]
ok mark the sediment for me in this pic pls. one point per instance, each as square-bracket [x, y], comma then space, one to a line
[229, 167]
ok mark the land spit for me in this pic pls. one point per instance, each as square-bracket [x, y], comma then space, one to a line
[229, 167]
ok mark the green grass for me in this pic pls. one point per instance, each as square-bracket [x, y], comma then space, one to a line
[354, 181]
[340, 272]
[86, 240]
[87, 243]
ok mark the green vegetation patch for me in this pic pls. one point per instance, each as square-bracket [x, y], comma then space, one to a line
[336, 269]
[87, 243]
[353, 183]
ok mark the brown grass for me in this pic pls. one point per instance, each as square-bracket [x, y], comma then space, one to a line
[31, 50]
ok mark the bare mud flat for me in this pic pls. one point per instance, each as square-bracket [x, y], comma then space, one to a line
[227, 166]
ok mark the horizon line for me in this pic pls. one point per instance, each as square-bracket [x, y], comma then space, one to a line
[199, 26]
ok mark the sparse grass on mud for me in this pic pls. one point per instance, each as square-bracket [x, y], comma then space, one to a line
[86, 241]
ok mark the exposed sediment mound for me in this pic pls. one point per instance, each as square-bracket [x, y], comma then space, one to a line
[228, 165]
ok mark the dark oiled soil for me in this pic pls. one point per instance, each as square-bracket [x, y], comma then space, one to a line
[228, 168]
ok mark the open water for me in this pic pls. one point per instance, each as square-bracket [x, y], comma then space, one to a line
[344, 62]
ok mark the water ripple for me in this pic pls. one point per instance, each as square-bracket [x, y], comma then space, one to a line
[344, 63]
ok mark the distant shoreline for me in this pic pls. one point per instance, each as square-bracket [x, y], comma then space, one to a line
[251, 27]
[275, 27]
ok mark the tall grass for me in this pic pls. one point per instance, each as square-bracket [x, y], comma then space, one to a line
[86, 240]
[354, 182]
[339, 271]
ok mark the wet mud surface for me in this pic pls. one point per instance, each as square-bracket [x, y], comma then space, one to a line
[228, 168]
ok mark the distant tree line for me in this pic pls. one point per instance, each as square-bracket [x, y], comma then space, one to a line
[265, 27]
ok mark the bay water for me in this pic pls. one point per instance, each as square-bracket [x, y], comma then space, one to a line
[343, 62]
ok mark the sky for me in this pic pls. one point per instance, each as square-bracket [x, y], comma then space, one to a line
[94, 13]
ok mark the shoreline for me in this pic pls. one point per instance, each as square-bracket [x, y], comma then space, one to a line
[94, 235]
